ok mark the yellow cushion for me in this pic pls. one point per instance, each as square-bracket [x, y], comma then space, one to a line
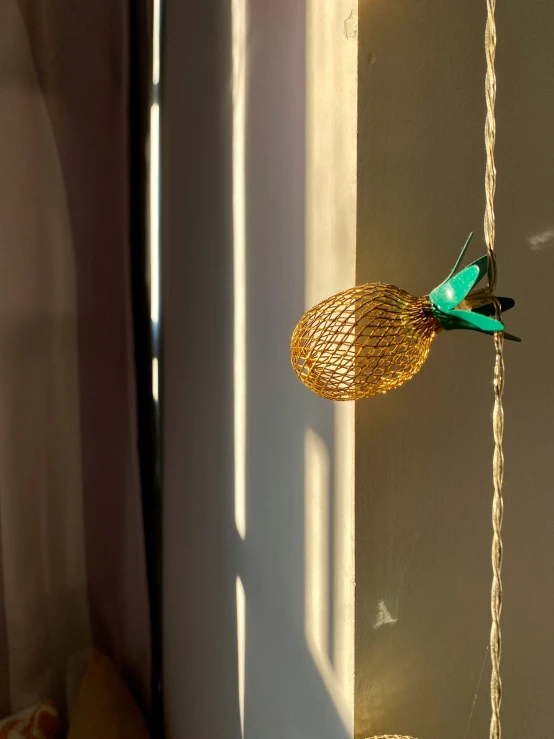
[105, 708]
[39, 722]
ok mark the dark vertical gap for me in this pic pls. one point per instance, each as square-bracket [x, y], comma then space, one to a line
[145, 339]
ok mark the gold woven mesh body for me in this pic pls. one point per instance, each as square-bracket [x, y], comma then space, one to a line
[362, 342]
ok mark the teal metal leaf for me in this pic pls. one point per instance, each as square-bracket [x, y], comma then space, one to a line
[483, 264]
[488, 308]
[453, 291]
[477, 320]
[462, 254]
[458, 286]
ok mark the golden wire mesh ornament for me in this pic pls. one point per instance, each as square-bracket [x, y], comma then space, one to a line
[370, 339]
[363, 341]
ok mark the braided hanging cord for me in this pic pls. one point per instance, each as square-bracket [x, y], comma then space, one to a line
[498, 412]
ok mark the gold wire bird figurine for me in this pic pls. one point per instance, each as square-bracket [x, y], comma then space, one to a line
[372, 338]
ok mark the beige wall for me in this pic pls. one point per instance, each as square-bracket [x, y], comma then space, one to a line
[423, 469]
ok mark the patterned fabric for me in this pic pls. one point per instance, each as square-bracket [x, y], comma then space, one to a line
[39, 722]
